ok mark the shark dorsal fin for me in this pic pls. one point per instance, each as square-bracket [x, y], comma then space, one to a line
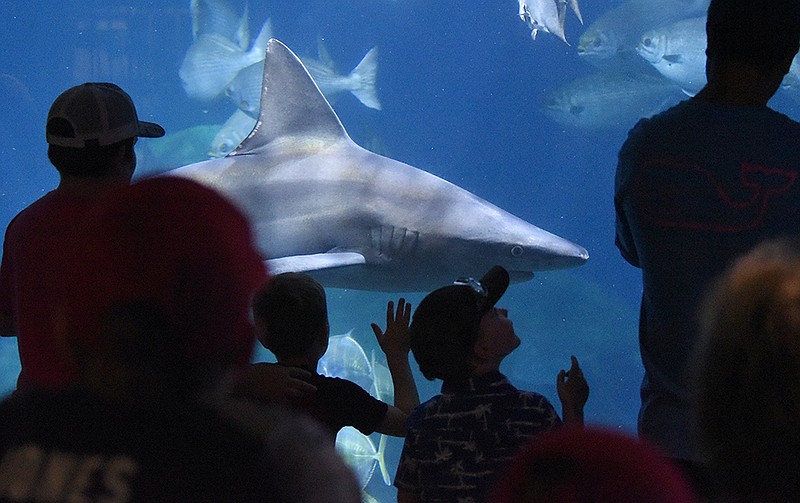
[292, 106]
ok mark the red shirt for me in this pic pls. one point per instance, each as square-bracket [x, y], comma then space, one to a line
[45, 270]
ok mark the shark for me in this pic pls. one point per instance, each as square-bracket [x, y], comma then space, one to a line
[318, 203]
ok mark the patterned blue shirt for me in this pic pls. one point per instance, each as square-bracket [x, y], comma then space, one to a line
[458, 440]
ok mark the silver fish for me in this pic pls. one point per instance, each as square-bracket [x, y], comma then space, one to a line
[360, 82]
[218, 18]
[678, 52]
[547, 15]
[382, 386]
[360, 454]
[213, 61]
[245, 89]
[611, 40]
[174, 149]
[605, 100]
[346, 358]
[231, 134]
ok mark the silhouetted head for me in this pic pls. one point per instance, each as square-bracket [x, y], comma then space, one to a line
[592, 465]
[181, 247]
[765, 33]
[446, 324]
[291, 314]
[748, 367]
[88, 124]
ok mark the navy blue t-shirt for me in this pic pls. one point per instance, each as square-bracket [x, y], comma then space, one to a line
[77, 446]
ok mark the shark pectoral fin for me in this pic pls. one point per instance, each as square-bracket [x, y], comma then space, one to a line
[315, 262]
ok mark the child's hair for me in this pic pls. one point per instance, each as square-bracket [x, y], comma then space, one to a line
[293, 310]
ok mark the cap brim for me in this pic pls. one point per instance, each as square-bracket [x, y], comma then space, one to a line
[495, 281]
[150, 130]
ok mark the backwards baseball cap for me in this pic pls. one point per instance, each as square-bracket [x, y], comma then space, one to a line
[446, 323]
[95, 114]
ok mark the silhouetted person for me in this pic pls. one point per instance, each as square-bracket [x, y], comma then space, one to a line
[698, 185]
[148, 417]
[592, 465]
[291, 316]
[91, 129]
[747, 377]
[459, 440]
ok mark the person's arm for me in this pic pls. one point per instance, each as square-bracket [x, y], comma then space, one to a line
[273, 383]
[573, 391]
[626, 163]
[395, 344]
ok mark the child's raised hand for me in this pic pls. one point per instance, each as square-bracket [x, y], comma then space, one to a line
[396, 339]
[573, 390]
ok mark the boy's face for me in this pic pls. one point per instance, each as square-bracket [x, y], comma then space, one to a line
[497, 335]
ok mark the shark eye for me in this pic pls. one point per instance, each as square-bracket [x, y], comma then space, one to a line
[516, 251]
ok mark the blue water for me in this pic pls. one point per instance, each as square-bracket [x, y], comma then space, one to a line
[461, 85]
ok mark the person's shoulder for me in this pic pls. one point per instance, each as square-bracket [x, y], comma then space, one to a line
[676, 115]
[337, 384]
[421, 411]
[38, 208]
[53, 208]
[782, 119]
[297, 453]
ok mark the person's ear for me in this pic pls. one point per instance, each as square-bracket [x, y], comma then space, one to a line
[481, 348]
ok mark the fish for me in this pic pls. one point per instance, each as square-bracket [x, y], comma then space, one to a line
[219, 18]
[245, 89]
[359, 453]
[213, 60]
[611, 40]
[678, 52]
[231, 134]
[321, 204]
[360, 82]
[382, 384]
[346, 358]
[609, 99]
[548, 16]
[174, 149]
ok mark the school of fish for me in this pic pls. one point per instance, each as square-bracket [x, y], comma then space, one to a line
[643, 56]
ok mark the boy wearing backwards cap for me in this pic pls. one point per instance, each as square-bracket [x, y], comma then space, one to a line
[91, 129]
[457, 441]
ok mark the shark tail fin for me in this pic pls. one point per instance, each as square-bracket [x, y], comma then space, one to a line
[365, 74]
[382, 461]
